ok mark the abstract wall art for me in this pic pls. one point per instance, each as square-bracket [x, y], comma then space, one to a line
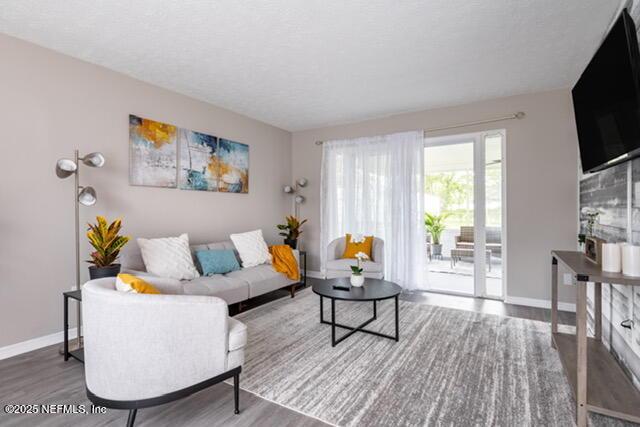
[153, 146]
[198, 161]
[233, 161]
[205, 162]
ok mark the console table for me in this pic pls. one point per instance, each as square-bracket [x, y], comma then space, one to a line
[598, 382]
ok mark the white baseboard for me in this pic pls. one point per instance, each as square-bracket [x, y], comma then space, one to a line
[34, 344]
[315, 274]
[540, 303]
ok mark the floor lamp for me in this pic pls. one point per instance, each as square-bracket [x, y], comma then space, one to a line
[298, 199]
[85, 196]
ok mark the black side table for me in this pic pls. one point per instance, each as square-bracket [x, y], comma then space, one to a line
[78, 353]
[303, 275]
[303, 254]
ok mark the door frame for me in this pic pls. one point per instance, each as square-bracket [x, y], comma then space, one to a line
[479, 194]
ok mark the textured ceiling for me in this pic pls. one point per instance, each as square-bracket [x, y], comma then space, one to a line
[305, 64]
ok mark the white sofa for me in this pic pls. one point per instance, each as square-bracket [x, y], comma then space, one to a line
[338, 267]
[136, 345]
[233, 287]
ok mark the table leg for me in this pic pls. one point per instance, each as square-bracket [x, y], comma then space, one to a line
[375, 309]
[305, 269]
[397, 321]
[598, 310]
[333, 322]
[581, 363]
[66, 327]
[321, 310]
[554, 298]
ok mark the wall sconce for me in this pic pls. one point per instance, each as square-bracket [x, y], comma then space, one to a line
[294, 189]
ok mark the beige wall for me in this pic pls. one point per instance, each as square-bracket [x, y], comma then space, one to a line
[51, 104]
[542, 159]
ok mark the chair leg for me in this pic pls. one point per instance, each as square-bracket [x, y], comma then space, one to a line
[132, 417]
[236, 393]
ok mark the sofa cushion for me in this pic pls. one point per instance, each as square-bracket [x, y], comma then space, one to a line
[217, 261]
[133, 284]
[252, 248]
[237, 334]
[261, 279]
[168, 257]
[229, 289]
[345, 265]
[357, 244]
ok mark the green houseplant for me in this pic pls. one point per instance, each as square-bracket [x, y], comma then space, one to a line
[291, 230]
[107, 243]
[435, 226]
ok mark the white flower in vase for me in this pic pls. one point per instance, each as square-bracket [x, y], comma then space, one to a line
[357, 279]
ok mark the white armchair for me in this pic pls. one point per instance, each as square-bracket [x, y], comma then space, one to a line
[144, 350]
[336, 266]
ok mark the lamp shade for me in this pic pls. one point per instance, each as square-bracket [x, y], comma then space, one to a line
[299, 199]
[288, 189]
[95, 160]
[65, 168]
[87, 196]
[302, 182]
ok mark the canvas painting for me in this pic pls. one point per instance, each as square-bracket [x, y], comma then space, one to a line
[198, 161]
[153, 160]
[233, 162]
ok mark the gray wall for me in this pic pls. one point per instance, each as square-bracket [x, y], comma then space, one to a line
[51, 104]
[541, 163]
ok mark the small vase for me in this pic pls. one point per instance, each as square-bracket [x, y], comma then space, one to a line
[357, 280]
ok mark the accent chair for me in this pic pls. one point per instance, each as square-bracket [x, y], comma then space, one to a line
[336, 266]
[144, 350]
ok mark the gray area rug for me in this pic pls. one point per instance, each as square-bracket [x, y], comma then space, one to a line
[451, 367]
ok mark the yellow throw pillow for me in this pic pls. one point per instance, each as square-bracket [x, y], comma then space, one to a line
[131, 283]
[351, 248]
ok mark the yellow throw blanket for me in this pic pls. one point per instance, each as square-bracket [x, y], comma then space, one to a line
[284, 262]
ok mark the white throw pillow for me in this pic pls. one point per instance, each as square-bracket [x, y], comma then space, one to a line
[252, 248]
[168, 257]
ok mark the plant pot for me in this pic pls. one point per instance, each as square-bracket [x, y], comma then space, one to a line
[100, 272]
[436, 249]
[293, 243]
[357, 280]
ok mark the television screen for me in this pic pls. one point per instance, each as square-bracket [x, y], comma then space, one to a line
[606, 100]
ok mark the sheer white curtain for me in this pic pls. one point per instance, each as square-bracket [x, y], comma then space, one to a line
[375, 186]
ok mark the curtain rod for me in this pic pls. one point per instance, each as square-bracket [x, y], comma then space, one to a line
[518, 115]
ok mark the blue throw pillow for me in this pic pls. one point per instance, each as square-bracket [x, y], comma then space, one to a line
[217, 261]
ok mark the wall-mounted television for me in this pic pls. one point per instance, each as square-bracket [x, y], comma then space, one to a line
[606, 100]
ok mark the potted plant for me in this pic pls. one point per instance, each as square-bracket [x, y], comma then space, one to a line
[107, 243]
[357, 279]
[435, 226]
[291, 230]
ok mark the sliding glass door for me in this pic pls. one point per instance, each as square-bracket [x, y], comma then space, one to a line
[464, 193]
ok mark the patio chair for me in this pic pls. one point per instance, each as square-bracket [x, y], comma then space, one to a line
[493, 239]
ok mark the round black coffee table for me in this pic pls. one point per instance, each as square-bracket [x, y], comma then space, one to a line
[373, 290]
